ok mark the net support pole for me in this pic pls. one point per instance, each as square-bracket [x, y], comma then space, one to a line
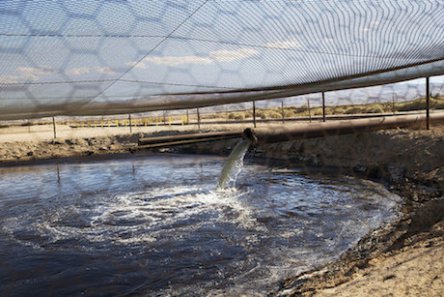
[309, 111]
[282, 112]
[323, 106]
[164, 118]
[54, 128]
[393, 104]
[130, 124]
[198, 118]
[428, 103]
[188, 117]
[254, 114]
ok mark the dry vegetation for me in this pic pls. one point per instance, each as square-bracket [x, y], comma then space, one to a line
[292, 112]
[261, 113]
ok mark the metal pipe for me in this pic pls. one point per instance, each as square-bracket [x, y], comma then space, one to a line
[130, 124]
[184, 142]
[309, 111]
[162, 139]
[323, 106]
[198, 119]
[54, 128]
[280, 134]
[393, 104]
[428, 103]
[282, 111]
[254, 114]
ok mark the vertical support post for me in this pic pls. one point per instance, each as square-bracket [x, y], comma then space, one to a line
[54, 128]
[130, 124]
[309, 111]
[393, 104]
[282, 112]
[188, 117]
[198, 118]
[254, 114]
[323, 106]
[428, 103]
[164, 117]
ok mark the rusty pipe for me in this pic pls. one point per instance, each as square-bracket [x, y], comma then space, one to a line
[285, 133]
[186, 137]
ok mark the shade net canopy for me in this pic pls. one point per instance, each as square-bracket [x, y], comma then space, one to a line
[111, 57]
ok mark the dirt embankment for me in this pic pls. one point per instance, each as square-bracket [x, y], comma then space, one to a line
[36, 147]
[18, 144]
[15, 152]
[401, 260]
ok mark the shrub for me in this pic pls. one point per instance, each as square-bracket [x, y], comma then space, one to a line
[374, 109]
[236, 116]
[289, 113]
[272, 114]
[339, 110]
[353, 110]
[261, 114]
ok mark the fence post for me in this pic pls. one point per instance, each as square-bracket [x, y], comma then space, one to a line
[323, 106]
[393, 104]
[309, 111]
[254, 114]
[428, 103]
[198, 119]
[54, 128]
[282, 112]
[130, 124]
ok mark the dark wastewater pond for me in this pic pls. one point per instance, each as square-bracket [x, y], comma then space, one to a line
[156, 226]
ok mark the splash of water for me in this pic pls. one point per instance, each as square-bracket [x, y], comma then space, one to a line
[233, 165]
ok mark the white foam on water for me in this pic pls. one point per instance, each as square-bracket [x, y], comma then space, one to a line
[145, 215]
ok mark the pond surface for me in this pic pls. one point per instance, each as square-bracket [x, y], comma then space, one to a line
[156, 225]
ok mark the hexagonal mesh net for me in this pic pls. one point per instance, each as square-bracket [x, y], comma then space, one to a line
[116, 117]
[110, 57]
